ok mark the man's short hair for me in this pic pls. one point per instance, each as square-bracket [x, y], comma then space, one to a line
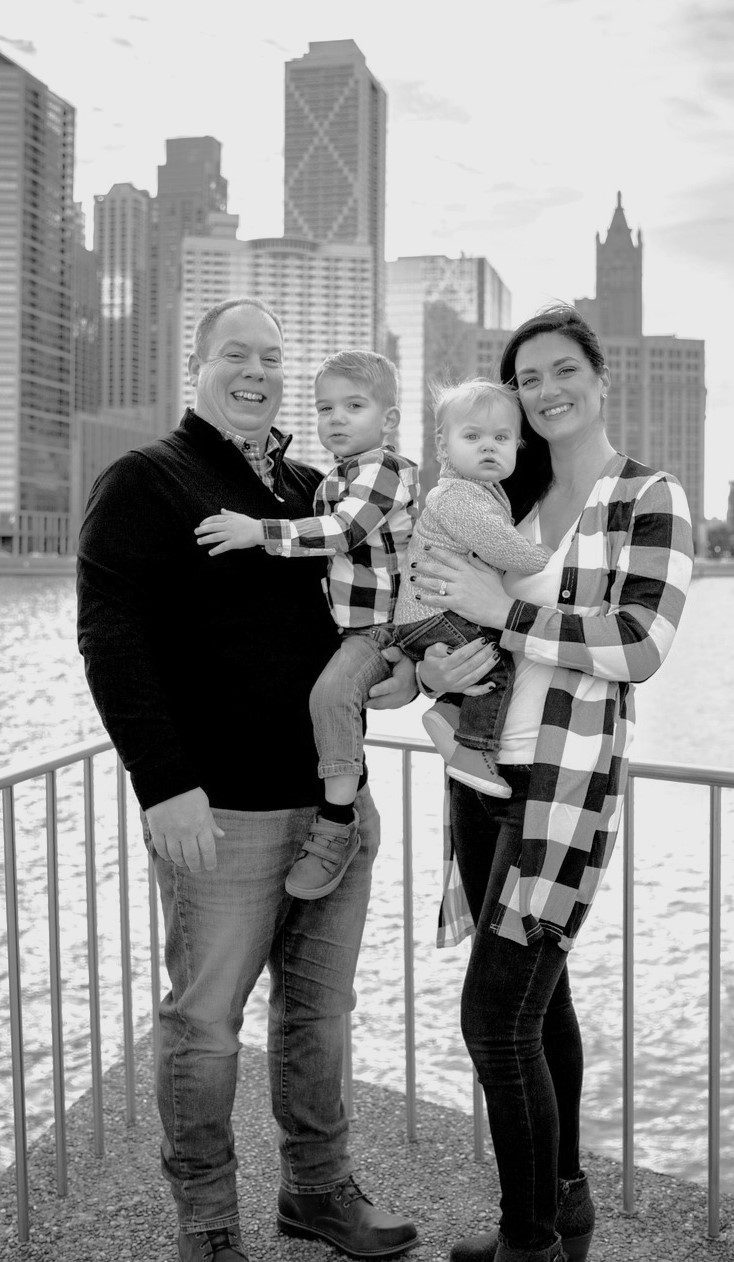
[375, 372]
[206, 324]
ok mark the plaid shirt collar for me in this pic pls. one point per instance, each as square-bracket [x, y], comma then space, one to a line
[262, 464]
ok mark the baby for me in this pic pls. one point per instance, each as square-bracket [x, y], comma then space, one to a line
[477, 437]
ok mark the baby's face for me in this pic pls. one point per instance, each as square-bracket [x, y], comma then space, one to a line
[481, 443]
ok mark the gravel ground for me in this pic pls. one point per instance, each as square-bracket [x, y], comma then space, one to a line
[118, 1208]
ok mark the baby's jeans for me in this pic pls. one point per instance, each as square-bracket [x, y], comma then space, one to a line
[482, 718]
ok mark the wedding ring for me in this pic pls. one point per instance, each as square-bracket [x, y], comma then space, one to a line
[443, 588]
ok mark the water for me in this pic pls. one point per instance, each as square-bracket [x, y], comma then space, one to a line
[685, 715]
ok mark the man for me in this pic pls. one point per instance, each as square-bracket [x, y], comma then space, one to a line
[201, 668]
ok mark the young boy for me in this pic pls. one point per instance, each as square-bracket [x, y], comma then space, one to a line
[364, 513]
[477, 436]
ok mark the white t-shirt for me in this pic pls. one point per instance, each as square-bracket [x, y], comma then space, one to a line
[532, 680]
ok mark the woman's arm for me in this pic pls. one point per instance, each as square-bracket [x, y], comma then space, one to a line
[629, 642]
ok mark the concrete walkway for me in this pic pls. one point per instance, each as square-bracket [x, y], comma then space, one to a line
[119, 1210]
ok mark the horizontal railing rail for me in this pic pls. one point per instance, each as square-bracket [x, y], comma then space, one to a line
[716, 779]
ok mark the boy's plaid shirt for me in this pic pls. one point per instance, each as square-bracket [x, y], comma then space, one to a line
[624, 584]
[365, 510]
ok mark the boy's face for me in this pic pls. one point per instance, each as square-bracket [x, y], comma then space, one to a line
[482, 443]
[350, 420]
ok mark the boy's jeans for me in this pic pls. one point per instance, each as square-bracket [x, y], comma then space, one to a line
[222, 928]
[338, 697]
[482, 718]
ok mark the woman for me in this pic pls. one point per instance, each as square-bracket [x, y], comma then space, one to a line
[600, 617]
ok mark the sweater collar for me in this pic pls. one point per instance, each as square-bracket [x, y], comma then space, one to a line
[210, 436]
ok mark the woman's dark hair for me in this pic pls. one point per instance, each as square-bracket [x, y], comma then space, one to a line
[533, 473]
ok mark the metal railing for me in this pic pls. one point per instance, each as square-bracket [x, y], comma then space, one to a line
[85, 754]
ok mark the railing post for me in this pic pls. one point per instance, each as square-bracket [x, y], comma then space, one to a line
[628, 1004]
[348, 1069]
[16, 1015]
[128, 1042]
[714, 1073]
[408, 948]
[155, 964]
[54, 960]
[93, 959]
[478, 1115]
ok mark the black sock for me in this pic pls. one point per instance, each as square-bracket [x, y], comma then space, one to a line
[337, 813]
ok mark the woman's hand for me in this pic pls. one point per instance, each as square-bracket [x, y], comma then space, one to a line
[444, 669]
[467, 587]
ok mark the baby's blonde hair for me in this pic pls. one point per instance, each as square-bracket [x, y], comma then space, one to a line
[473, 394]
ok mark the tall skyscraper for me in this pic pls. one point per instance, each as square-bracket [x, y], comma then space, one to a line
[122, 247]
[656, 409]
[36, 245]
[322, 293]
[85, 320]
[617, 307]
[470, 287]
[190, 187]
[335, 143]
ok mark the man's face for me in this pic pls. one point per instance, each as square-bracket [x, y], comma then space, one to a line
[239, 384]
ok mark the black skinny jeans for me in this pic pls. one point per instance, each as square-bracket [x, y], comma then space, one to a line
[518, 1022]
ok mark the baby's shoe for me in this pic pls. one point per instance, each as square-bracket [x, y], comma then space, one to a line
[441, 722]
[325, 857]
[478, 769]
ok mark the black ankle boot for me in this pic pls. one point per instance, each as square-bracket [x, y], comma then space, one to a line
[574, 1223]
[576, 1216]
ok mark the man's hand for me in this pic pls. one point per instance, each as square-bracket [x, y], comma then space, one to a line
[230, 530]
[183, 830]
[399, 689]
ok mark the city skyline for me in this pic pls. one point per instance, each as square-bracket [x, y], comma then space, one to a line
[473, 165]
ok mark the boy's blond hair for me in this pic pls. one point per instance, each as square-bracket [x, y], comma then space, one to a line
[375, 372]
[477, 393]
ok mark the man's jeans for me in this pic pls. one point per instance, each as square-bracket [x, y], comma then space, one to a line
[222, 928]
[518, 1022]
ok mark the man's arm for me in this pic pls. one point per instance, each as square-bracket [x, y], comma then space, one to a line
[128, 537]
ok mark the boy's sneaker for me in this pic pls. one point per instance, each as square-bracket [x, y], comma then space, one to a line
[441, 722]
[325, 857]
[478, 769]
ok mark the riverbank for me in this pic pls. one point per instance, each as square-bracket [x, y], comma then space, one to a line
[118, 1207]
[47, 566]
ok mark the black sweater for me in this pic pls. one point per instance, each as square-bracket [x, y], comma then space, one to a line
[201, 666]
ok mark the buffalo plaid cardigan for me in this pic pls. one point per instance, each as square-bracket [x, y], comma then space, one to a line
[623, 588]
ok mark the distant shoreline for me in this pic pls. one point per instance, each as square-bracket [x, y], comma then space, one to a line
[41, 567]
[44, 567]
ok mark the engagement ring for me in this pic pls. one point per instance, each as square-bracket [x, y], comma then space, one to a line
[442, 588]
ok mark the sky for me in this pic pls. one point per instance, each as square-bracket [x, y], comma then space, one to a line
[511, 126]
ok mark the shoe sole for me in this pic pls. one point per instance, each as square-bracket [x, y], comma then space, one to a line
[290, 1227]
[441, 733]
[297, 891]
[483, 786]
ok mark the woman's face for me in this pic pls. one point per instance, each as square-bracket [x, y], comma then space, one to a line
[558, 387]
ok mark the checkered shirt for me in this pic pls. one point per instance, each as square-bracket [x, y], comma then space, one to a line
[364, 513]
[263, 464]
[624, 583]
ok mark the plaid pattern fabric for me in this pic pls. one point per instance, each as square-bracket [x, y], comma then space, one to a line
[624, 584]
[261, 464]
[365, 509]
